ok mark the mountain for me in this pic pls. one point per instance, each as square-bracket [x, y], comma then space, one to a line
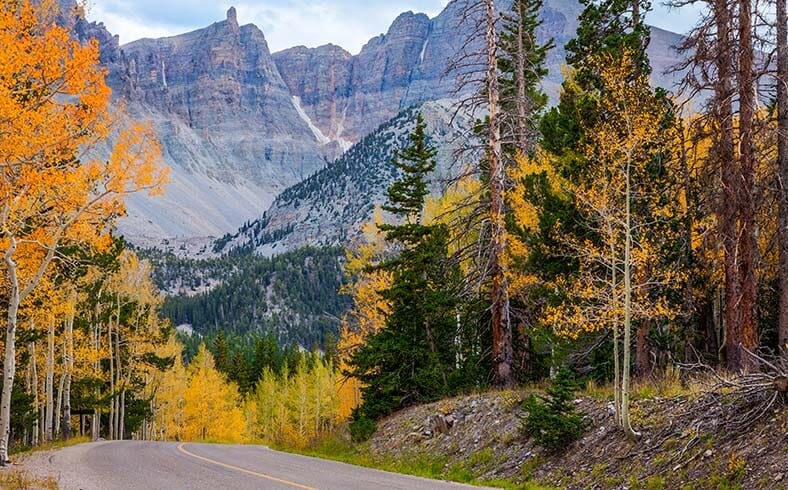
[330, 207]
[347, 96]
[239, 125]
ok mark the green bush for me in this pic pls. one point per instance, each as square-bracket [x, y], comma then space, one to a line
[362, 428]
[552, 420]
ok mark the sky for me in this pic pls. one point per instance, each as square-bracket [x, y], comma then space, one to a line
[288, 23]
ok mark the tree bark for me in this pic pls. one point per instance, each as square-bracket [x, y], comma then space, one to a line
[724, 156]
[34, 389]
[625, 378]
[59, 401]
[522, 97]
[9, 360]
[782, 166]
[502, 349]
[748, 245]
[68, 369]
[50, 380]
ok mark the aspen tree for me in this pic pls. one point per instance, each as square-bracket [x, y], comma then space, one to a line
[53, 105]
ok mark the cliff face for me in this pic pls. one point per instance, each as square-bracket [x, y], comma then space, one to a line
[231, 131]
[410, 64]
[346, 96]
[239, 125]
[223, 84]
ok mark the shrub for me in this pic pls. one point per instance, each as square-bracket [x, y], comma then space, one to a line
[362, 428]
[552, 420]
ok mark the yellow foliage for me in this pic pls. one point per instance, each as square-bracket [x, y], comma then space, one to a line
[211, 405]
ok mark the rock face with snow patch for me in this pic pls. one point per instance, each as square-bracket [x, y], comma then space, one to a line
[330, 207]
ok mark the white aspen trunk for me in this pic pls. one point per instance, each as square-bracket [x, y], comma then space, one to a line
[626, 423]
[69, 367]
[95, 421]
[118, 381]
[111, 382]
[15, 298]
[59, 400]
[616, 333]
[122, 415]
[50, 379]
[34, 390]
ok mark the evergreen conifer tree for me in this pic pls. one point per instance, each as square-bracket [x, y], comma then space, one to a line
[412, 360]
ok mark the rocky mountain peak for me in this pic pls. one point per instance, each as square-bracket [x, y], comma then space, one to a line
[408, 22]
[232, 16]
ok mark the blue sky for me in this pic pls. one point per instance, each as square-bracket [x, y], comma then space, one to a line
[286, 23]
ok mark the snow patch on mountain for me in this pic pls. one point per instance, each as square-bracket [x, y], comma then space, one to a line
[321, 138]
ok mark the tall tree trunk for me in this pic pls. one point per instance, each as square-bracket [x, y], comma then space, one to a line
[119, 384]
[122, 416]
[9, 360]
[111, 382]
[625, 378]
[748, 245]
[34, 376]
[725, 159]
[502, 349]
[69, 367]
[782, 166]
[616, 326]
[57, 417]
[522, 97]
[50, 380]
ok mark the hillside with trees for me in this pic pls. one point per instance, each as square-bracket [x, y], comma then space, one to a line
[296, 296]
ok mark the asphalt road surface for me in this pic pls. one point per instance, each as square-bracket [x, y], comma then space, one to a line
[163, 465]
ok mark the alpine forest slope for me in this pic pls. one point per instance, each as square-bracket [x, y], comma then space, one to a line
[295, 296]
[238, 125]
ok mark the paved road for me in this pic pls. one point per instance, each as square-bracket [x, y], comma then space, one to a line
[152, 465]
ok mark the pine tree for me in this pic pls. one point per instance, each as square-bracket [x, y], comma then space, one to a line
[221, 354]
[411, 359]
[552, 419]
[522, 68]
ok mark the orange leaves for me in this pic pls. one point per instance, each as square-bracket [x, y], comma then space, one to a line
[56, 188]
[134, 163]
[52, 91]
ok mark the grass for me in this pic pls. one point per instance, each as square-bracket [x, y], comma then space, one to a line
[47, 446]
[434, 467]
[11, 479]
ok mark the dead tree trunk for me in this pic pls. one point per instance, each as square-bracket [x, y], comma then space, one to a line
[748, 245]
[782, 166]
[502, 349]
[725, 159]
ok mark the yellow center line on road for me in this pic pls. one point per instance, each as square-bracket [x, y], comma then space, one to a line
[248, 472]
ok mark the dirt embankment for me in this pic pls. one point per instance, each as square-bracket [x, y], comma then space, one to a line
[684, 443]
